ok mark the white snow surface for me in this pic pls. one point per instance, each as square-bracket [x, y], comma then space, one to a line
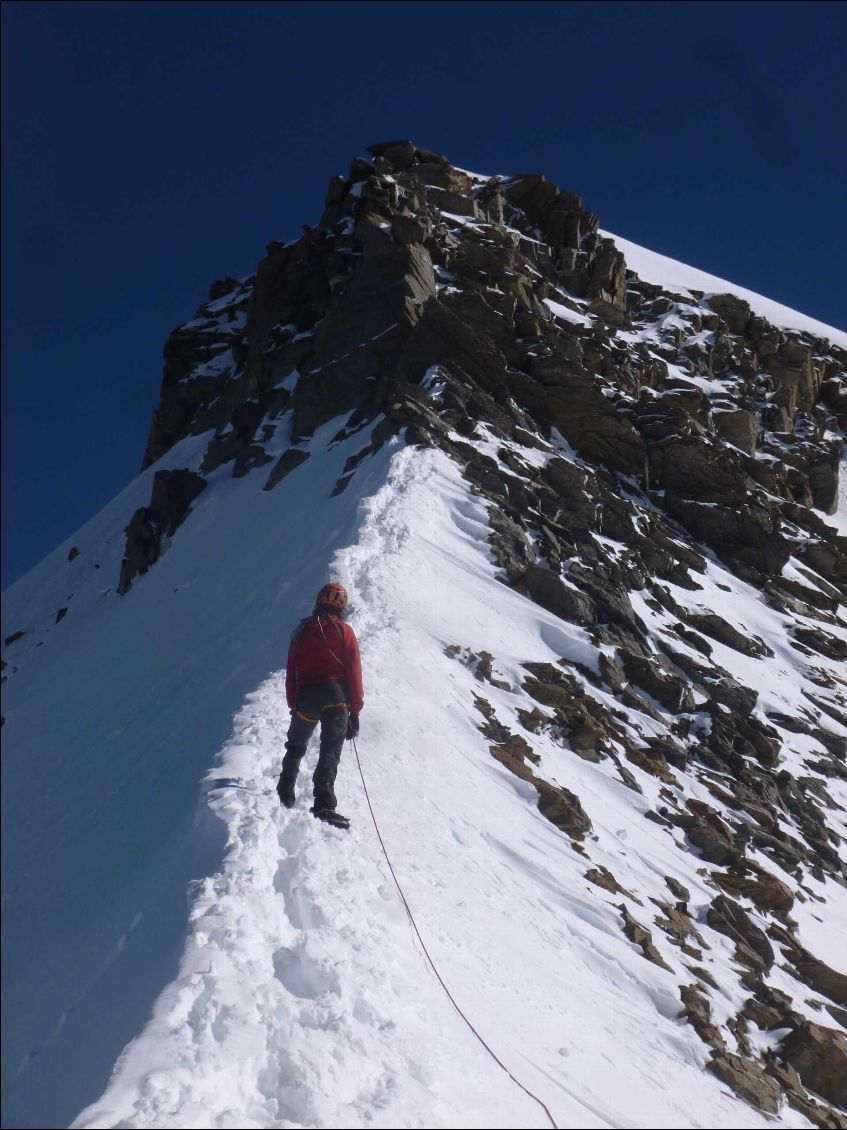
[144, 737]
[112, 718]
[676, 276]
[302, 998]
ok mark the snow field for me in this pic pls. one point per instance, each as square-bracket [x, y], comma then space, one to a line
[302, 999]
[113, 717]
[676, 276]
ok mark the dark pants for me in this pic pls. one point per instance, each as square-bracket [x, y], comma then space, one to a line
[325, 703]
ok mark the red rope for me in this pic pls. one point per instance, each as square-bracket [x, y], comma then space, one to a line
[432, 964]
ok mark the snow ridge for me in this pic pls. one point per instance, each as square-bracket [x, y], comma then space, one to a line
[580, 501]
[302, 999]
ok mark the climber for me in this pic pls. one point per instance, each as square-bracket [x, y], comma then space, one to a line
[323, 682]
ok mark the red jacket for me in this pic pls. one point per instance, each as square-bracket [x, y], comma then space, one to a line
[324, 648]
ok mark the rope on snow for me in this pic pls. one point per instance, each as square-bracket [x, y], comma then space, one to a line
[432, 964]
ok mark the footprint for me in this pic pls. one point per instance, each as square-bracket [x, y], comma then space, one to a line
[301, 910]
[302, 976]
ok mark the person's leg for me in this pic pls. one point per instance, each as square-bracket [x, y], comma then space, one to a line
[333, 731]
[299, 731]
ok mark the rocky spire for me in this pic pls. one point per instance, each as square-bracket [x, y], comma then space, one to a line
[670, 427]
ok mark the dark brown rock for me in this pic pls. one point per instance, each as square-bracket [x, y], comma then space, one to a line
[170, 504]
[818, 975]
[563, 808]
[563, 600]
[743, 533]
[819, 1056]
[678, 926]
[677, 889]
[697, 1011]
[751, 944]
[640, 936]
[734, 311]
[762, 888]
[747, 1079]
[708, 832]
[719, 629]
[603, 877]
[661, 684]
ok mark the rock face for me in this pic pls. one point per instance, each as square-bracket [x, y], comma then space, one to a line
[639, 452]
[151, 526]
[819, 1056]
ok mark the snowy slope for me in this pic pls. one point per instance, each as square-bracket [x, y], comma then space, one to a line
[302, 999]
[147, 729]
[121, 708]
[676, 276]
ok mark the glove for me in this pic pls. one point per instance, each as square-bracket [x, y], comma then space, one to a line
[352, 726]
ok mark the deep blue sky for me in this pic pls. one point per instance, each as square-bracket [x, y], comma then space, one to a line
[150, 148]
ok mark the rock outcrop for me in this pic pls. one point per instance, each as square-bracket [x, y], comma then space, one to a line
[639, 451]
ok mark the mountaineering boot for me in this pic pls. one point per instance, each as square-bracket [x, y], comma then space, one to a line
[285, 791]
[330, 816]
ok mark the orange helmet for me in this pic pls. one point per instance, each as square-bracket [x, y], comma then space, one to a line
[334, 595]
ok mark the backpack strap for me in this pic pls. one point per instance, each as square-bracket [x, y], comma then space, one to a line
[326, 641]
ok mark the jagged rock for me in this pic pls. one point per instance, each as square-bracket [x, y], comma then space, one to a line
[222, 287]
[791, 366]
[817, 1113]
[814, 972]
[579, 720]
[548, 590]
[765, 890]
[563, 808]
[151, 526]
[677, 925]
[751, 944]
[391, 288]
[603, 877]
[745, 534]
[286, 463]
[608, 310]
[410, 229]
[585, 417]
[747, 1079]
[764, 1016]
[245, 419]
[640, 936]
[708, 832]
[734, 311]
[821, 641]
[694, 471]
[202, 363]
[819, 1056]
[650, 674]
[613, 467]
[611, 601]
[559, 805]
[248, 459]
[677, 889]
[697, 1011]
[719, 629]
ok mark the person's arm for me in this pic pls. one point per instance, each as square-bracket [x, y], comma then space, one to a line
[353, 671]
[290, 680]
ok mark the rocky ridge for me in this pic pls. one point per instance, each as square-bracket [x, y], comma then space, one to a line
[647, 456]
[624, 436]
